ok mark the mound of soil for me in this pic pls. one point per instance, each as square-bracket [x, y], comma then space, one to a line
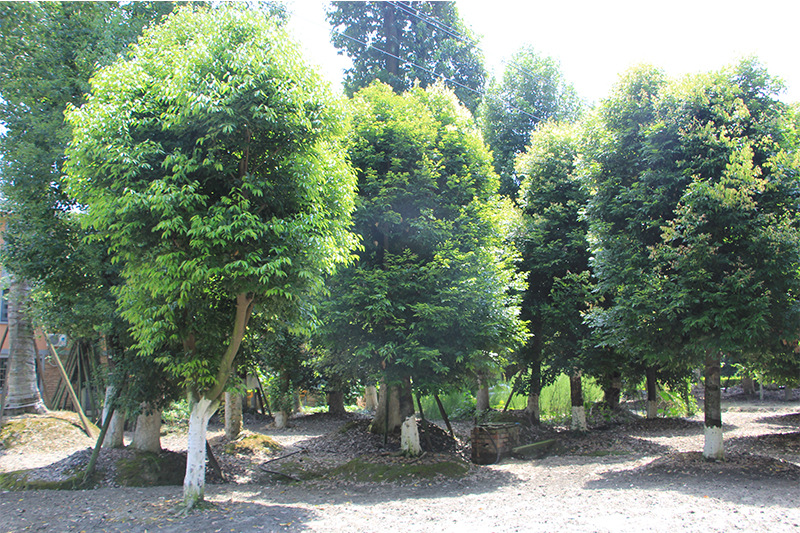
[735, 467]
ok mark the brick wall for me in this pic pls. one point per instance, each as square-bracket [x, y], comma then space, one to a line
[491, 442]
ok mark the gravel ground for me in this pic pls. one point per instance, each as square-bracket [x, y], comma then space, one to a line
[637, 476]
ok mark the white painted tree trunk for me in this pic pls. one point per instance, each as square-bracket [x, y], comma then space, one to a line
[409, 437]
[652, 409]
[713, 445]
[532, 409]
[281, 419]
[147, 435]
[371, 398]
[195, 480]
[115, 436]
[482, 398]
[578, 419]
[233, 415]
[23, 394]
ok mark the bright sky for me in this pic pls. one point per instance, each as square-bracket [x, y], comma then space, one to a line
[596, 40]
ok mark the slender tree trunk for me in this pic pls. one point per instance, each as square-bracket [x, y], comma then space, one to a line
[613, 393]
[652, 393]
[482, 398]
[713, 447]
[233, 415]
[23, 395]
[336, 403]
[533, 409]
[147, 435]
[194, 482]
[748, 386]
[576, 396]
[371, 398]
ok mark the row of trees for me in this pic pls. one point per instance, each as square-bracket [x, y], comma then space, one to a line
[217, 203]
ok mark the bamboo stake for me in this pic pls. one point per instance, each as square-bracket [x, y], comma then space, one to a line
[85, 421]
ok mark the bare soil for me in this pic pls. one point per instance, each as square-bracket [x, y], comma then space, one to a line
[626, 474]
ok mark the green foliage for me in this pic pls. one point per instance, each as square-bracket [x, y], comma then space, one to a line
[531, 92]
[209, 160]
[409, 43]
[430, 296]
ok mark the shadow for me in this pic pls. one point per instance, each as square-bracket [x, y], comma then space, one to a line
[771, 443]
[791, 420]
[141, 510]
[742, 479]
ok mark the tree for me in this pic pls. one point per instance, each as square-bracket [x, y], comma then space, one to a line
[532, 91]
[402, 43]
[48, 51]
[209, 161]
[430, 297]
[555, 256]
[695, 217]
[729, 259]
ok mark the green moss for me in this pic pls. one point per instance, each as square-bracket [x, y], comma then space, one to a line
[147, 469]
[18, 480]
[252, 443]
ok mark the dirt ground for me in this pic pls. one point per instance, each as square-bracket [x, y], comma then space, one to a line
[637, 475]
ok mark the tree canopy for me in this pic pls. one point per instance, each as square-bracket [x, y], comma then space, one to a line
[209, 160]
[402, 43]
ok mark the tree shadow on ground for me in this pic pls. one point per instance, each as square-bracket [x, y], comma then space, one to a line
[739, 479]
[771, 443]
[789, 420]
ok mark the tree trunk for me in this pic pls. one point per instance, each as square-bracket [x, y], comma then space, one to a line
[195, 479]
[282, 419]
[409, 438]
[336, 403]
[482, 398]
[233, 415]
[713, 447]
[613, 393]
[400, 407]
[788, 393]
[652, 393]
[147, 435]
[576, 396]
[534, 392]
[115, 435]
[748, 385]
[371, 398]
[23, 395]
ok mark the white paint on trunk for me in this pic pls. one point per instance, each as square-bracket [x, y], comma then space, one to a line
[532, 409]
[281, 419]
[115, 436]
[578, 419]
[409, 437]
[147, 435]
[652, 409]
[233, 415]
[195, 480]
[713, 447]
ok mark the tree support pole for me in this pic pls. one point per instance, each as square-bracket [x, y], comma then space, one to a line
[81, 414]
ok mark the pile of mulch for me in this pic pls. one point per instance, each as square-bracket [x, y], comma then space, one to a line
[736, 466]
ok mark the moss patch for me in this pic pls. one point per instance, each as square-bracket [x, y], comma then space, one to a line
[252, 443]
[40, 430]
[147, 469]
[20, 480]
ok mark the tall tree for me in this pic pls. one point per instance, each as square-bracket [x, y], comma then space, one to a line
[531, 91]
[555, 252]
[209, 160]
[696, 222]
[402, 43]
[48, 51]
[429, 298]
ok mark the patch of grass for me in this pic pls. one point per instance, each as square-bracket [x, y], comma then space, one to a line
[147, 469]
[252, 443]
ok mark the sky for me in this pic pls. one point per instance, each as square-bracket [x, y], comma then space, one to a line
[596, 41]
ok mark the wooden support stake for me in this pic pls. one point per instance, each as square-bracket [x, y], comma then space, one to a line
[85, 421]
[444, 415]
